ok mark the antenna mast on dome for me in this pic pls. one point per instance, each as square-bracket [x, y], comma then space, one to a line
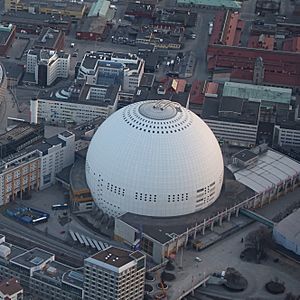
[162, 104]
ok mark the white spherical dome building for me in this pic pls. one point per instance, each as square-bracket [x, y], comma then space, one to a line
[154, 158]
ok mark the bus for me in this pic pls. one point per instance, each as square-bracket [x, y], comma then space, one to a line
[40, 220]
[60, 206]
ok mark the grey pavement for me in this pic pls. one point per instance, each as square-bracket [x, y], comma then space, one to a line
[225, 253]
[43, 200]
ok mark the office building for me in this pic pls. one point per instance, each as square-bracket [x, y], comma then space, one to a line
[47, 65]
[115, 274]
[109, 68]
[78, 103]
[232, 120]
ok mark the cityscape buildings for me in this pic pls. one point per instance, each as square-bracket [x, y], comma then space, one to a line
[142, 140]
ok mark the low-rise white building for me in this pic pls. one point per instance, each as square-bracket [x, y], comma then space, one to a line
[47, 65]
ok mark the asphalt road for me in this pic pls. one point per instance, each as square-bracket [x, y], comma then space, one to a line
[200, 45]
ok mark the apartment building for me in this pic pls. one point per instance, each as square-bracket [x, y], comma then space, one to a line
[47, 65]
[115, 274]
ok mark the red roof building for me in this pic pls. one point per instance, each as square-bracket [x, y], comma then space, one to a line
[292, 44]
[263, 41]
[227, 29]
[280, 67]
[197, 92]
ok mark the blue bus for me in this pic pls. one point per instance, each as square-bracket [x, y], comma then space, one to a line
[60, 206]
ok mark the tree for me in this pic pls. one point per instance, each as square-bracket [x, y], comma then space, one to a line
[258, 240]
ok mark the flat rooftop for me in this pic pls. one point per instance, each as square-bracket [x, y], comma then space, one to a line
[74, 278]
[165, 229]
[15, 251]
[47, 39]
[116, 257]
[57, 5]
[18, 133]
[91, 59]
[257, 92]
[245, 155]
[231, 109]
[23, 17]
[81, 93]
[218, 3]
[48, 143]
[52, 272]
[32, 258]
[84, 130]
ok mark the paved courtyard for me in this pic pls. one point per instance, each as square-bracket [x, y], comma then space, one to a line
[225, 253]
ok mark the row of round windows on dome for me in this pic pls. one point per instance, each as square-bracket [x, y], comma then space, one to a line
[158, 131]
[154, 128]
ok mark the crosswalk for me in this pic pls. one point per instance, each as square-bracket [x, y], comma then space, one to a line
[87, 241]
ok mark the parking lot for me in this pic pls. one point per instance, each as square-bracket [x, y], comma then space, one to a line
[60, 221]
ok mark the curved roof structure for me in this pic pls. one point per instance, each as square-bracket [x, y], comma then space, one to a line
[154, 158]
